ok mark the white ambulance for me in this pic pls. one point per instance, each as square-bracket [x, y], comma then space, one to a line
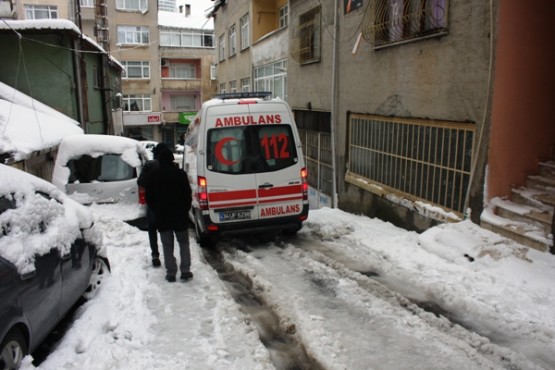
[245, 163]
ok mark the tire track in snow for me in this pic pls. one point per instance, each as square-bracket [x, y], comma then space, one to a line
[326, 279]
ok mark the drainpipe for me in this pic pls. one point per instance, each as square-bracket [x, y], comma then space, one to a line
[79, 85]
[334, 106]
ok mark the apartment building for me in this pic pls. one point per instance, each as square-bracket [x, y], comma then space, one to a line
[252, 46]
[416, 112]
[166, 48]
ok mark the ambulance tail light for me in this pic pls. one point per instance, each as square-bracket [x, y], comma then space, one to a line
[142, 195]
[304, 179]
[202, 193]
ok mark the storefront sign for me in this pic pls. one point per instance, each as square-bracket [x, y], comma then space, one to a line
[186, 117]
[142, 118]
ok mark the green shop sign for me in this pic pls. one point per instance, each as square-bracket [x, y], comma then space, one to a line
[186, 117]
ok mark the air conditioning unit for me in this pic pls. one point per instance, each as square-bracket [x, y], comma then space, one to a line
[165, 62]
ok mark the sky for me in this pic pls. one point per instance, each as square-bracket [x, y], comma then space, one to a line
[345, 283]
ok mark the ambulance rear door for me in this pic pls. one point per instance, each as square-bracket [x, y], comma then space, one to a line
[278, 177]
[253, 162]
[231, 189]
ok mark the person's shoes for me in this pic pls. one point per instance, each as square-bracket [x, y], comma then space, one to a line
[170, 278]
[186, 275]
[156, 262]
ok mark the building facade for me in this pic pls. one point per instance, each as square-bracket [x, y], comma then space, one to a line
[166, 49]
[252, 46]
[416, 112]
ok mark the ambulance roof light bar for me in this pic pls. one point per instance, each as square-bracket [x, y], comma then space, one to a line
[266, 95]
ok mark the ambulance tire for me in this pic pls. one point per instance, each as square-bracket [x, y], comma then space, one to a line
[291, 232]
[204, 241]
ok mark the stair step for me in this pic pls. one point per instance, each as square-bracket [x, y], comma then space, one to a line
[539, 198]
[523, 213]
[541, 182]
[547, 169]
[523, 233]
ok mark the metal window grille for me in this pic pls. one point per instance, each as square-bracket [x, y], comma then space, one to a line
[418, 159]
[398, 21]
[309, 36]
[317, 148]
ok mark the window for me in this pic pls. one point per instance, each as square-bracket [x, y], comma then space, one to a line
[132, 4]
[221, 48]
[250, 149]
[186, 38]
[184, 71]
[140, 70]
[181, 103]
[87, 3]
[133, 35]
[167, 5]
[97, 77]
[309, 24]
[232, 41]
[315, 132]
[245, 84]
[232, 86]
[213, 73]
[428, 160]
[272, 77]
[222, 88]
[402, 20]
[245, 32]
[283, 16]
[41, 12]
[137, 103]
[105, 168]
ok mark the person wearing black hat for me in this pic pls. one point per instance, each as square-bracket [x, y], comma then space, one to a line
[148, 168]
[168, 194]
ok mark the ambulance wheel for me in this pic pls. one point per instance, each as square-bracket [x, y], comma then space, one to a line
[203, 240]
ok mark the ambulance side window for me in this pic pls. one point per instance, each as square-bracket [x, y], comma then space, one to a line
[226, 148]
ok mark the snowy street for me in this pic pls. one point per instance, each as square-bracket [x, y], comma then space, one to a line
[354, 292]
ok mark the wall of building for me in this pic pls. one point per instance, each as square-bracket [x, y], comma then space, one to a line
[61, 5]
[442, 78]
[523, 129]
[42, 65]
[148, 52]
[238, 66]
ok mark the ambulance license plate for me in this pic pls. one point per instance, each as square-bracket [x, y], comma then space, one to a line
[235, 215]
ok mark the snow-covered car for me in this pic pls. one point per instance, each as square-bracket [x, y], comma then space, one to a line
[149, 146]
[101, 169]
[51, 254]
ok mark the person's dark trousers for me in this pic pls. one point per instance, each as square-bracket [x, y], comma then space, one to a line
[167, 238]
[152, 234]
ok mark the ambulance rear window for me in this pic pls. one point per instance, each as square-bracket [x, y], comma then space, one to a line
[250, 149]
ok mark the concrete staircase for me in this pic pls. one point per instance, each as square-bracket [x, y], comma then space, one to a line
[528, 216]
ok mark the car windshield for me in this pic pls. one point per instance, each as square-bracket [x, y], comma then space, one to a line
[251, 149]
[105, 168]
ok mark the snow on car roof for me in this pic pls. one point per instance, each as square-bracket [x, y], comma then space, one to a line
[28, 125]
[24, 234]
[94, 145]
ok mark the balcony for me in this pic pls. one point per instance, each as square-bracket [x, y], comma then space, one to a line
[186, 85]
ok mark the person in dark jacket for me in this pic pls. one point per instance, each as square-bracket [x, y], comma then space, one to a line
[148, 168]
[168, 194]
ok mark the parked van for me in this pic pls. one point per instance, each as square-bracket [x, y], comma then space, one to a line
[245, 163]
[102, 169]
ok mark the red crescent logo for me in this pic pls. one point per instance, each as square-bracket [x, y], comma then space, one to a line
[219, 151]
